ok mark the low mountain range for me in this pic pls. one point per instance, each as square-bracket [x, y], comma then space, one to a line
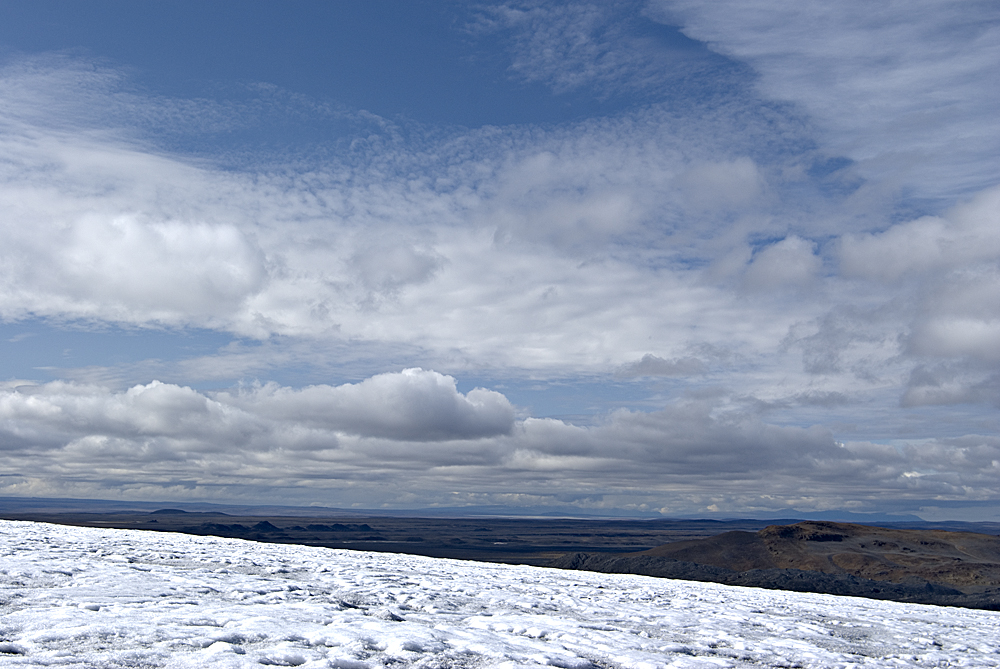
[922, 566]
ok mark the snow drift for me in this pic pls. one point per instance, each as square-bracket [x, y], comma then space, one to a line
[84, 597]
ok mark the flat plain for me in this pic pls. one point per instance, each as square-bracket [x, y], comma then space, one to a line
[491, 539]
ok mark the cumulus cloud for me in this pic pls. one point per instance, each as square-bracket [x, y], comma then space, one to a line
[96, 229]
[412, 435]
[174, 270]
[963, 236]
[973, 331]
[947, 265]
[413, 405]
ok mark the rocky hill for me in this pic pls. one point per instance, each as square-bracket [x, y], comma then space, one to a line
[924, 566]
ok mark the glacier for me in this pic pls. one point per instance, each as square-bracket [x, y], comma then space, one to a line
[101, 598]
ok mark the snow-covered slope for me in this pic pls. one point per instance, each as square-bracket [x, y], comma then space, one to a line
[80, 597]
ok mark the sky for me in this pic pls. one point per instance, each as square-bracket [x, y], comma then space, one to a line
[653, 257]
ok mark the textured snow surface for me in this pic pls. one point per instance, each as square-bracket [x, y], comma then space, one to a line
[79, 597]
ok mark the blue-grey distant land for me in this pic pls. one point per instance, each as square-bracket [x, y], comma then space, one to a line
[634, 258]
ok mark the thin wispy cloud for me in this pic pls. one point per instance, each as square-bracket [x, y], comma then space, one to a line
[907, 91]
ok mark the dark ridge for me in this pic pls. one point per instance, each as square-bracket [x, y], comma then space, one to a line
[736, 550]
[797, 580]
[917, 566]
[165, 512]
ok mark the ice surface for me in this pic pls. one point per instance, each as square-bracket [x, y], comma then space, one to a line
[84, 597]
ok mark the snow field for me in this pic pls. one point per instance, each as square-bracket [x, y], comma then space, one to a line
[82, 597]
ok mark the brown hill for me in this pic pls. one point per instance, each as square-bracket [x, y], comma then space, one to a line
[963, 560]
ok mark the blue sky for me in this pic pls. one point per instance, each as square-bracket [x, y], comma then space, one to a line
[665, 257]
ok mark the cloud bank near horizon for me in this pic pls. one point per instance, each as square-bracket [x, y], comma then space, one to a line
[382, 440]
[783, 240]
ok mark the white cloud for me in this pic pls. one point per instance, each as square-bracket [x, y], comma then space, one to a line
[651, 365]
[387, 267]
[966, 234]
[412, 435]
[97, 229]
[950, 384]
[413, 405]
[951, 335]
[500, 246]
[948, 265]
[730, 185]
[908, 93]
[909, 90]
[188, 271]
[790, 263]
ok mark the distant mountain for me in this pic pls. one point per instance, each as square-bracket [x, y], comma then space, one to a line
[839, 516]
[27, 505]
[68, 505]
